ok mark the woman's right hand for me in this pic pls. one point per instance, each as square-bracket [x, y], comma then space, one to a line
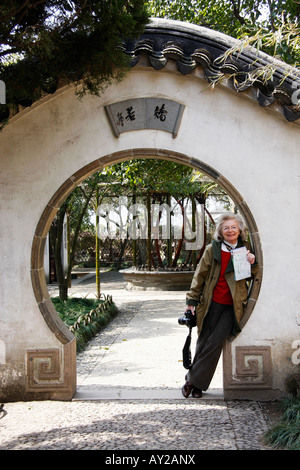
[190, 307]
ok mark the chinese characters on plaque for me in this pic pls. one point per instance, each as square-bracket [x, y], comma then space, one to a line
[145, 113]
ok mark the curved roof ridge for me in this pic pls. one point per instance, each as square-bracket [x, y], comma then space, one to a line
[221, 38]
[203, 31]
[191, 45]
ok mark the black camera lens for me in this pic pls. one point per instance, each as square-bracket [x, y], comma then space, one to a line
[188, 319]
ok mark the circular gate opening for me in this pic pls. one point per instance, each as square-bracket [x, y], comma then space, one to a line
[40, 288]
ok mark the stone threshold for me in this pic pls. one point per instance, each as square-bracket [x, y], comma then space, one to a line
[86, 394]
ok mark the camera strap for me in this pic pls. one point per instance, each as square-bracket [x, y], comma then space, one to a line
[229, 247]
[186, 352]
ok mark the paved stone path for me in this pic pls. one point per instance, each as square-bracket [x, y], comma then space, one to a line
[129, 398]
[133, 425]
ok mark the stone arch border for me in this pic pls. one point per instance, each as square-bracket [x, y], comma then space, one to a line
[57, 327]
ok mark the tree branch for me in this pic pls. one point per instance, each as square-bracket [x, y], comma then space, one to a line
[271, 16]
[236, 12]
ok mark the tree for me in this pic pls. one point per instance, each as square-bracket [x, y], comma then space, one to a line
[78, 201]
[46, 42]
[77, 207]
[155, 182]
[146, 178]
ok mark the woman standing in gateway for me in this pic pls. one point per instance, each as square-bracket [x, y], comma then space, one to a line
[217, 299]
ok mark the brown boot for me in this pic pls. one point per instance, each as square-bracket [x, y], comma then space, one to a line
[196, 392]
[186, 389]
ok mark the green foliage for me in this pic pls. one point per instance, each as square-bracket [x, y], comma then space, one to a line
[141, 175]
[286, 433]
[77, 41]
[74, 307]
[87, 314]
[122, 179]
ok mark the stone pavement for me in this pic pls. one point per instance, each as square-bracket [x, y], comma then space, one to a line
[129, 390]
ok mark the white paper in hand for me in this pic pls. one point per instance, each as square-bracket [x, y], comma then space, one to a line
[242, 267]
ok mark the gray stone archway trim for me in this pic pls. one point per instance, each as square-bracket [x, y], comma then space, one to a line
[46, 307]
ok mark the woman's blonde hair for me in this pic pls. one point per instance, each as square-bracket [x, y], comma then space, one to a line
[227, 216]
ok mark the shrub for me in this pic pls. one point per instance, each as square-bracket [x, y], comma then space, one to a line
[85, 317]
[286, 433]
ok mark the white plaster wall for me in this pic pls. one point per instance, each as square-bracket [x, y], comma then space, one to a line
[254, 148]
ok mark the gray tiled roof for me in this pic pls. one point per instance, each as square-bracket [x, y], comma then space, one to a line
[191, 46]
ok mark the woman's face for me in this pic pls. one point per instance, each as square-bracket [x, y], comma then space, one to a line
[230, 231]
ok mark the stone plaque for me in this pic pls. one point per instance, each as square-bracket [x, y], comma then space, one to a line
[145, 113]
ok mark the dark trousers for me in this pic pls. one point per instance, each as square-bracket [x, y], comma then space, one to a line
[217, 327]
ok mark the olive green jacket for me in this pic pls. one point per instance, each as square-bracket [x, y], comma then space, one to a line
[205, 279]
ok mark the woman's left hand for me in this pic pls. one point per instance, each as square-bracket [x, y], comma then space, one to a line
[250, 257]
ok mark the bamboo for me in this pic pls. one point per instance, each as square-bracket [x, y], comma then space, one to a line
[98, 293]
[134, 237]
[194, 257]
[169, 223]
[149, 232]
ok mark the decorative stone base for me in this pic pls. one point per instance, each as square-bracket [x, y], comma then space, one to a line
[51, 372]
[248, 373]
[157, 280]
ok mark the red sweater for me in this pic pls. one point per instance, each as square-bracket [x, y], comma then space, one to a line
[221, 293]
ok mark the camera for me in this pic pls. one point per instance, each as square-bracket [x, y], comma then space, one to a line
[188, 319]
